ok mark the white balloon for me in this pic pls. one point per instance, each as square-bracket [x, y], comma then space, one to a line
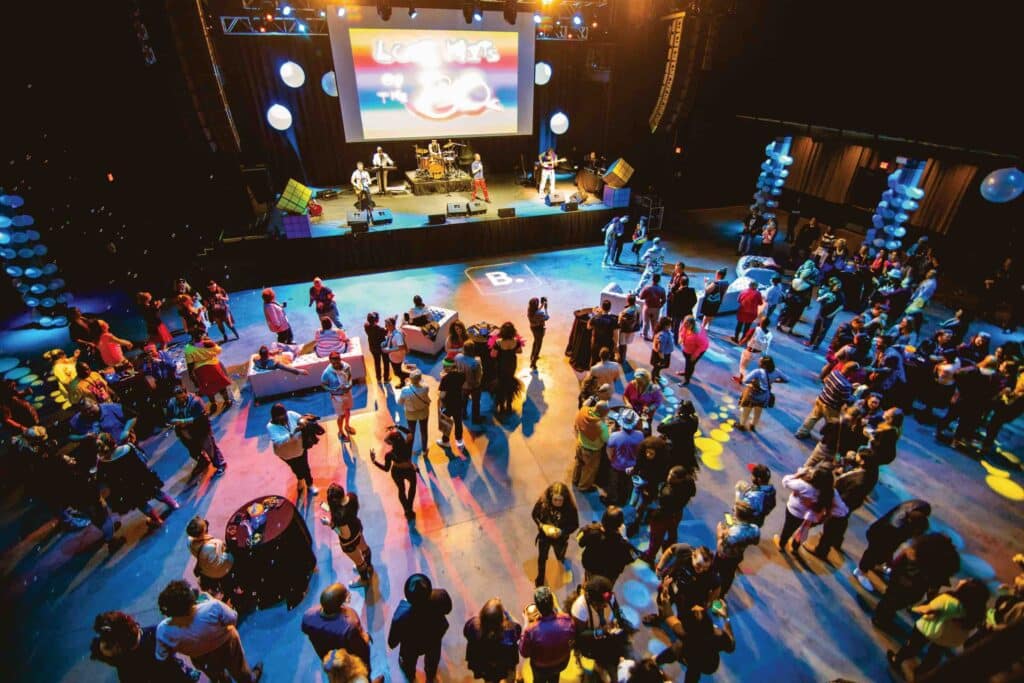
[559, 124]
[542, 73]
[292, 75]
[279, 117]
[329, 83]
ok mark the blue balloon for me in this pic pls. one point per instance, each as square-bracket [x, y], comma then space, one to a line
[887, 196]
[901, 218]
[775, 191]
[877, 221]
[1003, 185]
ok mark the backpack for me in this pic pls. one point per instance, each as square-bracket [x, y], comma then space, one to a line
[629, 320]
[757, 498]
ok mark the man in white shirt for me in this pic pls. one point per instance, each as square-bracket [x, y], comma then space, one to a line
[479, 183]
[381, 161]
[434, 148]
[547, 170]
[202, 628]
[337, 380]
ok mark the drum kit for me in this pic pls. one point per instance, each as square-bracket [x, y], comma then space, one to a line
[437, 166]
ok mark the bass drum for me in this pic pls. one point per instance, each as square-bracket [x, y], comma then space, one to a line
[589, 181]
[436, 169]
[423, 163]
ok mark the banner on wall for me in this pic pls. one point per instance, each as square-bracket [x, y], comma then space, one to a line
[675, 38]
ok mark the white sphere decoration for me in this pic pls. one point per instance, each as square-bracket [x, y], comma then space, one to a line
[329, 83]
[292, 75]
[559, 124]
[542, 73]
[279, 117]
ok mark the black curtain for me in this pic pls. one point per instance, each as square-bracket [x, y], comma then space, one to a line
[314, 150]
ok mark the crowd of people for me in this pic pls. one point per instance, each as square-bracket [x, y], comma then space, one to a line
[632, 456]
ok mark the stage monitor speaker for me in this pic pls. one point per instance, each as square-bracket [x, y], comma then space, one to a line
[507, 212]
[618, 173]
[554, 199]
[436, 219]
[457, 209]
[477, 207]
[382, 216]
[571, 206]
[358, 222]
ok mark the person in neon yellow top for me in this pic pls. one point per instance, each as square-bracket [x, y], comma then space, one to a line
[944, 624]
[202, 355]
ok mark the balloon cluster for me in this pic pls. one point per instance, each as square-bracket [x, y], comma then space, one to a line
[24, 260]
[772, 177]
[898, 202]
[1003, 185]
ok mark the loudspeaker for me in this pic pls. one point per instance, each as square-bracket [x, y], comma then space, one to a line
[382, 216]
[436, 219]
[507, 212]
[457, 209]
[571, 206]
[554, 199]
[477, 207]
[358, 222]
[618, 173]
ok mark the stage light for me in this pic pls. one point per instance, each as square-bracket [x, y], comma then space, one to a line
[286, 10]
[542, 73]
[110, 177]
[329, 83]
[292, 74]
[302, 27]
[341, 12]
[559, 124]
[478, 15]
[279, 117]
[577, 20]
[594, 25]
[323, 13]
[269, 16]
[537, 18]
[384, 9]
[412, 12]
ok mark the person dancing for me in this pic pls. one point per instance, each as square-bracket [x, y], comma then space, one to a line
[398, 461]
[479, 182]
[343, 517]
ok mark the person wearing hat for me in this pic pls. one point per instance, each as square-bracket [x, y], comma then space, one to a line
[130, 482]
[757, 493]
[666, 510]
[336, 626]
[451, 402]
[418, 626]
[733, 535]
[591, 427]
[188, 414]
[854, 483]
[643, 395]
[548, 638]
[623, 447]
[830, 303]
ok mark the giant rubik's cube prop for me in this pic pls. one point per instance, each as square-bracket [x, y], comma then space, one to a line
[295, 197]
[900, 200]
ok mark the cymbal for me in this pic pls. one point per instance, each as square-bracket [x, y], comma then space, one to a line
[420, 150]
[449, 145]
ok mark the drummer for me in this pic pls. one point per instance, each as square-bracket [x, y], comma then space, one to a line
[434, 149]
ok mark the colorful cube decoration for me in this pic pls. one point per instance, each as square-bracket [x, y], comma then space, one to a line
[615, 197]
[618, 174]
[295, 197]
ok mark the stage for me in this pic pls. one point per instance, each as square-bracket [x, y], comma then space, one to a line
[460, 181]
[409, 210]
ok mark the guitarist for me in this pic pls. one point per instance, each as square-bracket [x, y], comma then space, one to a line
[361, 184]
[548, 160]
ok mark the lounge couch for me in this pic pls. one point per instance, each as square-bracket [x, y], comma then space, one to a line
[266, 383]
[419, 342]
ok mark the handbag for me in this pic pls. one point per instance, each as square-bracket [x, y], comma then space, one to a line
[444, 422]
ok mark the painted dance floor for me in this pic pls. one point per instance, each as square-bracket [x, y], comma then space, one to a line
[795, 619]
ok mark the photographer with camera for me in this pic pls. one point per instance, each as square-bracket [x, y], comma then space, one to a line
[292, 435]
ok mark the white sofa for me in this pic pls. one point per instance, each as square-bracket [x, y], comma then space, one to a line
[421, 343]
[275, 382]
[613, 292]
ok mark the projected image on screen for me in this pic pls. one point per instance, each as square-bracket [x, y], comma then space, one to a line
[432, 80]
[434, 83]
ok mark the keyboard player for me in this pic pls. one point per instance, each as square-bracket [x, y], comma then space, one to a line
[382, 163]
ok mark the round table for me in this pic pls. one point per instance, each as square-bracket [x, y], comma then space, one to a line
[273, 550]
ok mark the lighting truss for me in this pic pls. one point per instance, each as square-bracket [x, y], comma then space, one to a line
[278, 26]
